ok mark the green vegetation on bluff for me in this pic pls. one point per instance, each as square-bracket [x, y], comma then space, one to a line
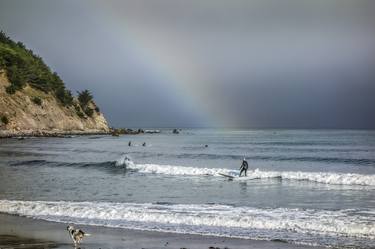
[23, 66]
[84, 98]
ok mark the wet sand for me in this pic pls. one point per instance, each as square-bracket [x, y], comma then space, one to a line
[21, 232]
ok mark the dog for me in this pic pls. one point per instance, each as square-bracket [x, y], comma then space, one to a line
[76, 234]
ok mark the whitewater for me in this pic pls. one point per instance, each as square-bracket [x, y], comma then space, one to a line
[319, 177]
[205, 219]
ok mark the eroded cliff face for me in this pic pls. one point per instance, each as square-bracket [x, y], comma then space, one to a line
[24, 117]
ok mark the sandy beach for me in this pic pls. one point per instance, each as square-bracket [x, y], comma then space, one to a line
[21, 232]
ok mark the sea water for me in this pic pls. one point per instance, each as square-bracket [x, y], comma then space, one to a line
[313, 187]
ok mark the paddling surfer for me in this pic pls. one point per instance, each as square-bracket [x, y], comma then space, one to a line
[244, 167]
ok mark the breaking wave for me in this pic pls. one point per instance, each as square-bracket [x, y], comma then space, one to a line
[319, 177]
[295, 225]
[125, 162]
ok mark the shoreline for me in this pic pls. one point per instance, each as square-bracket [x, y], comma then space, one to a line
[50, 133]
[23, 232]
[62, 133]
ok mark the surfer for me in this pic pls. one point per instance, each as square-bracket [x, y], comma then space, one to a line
[244, 167]
[130, 143]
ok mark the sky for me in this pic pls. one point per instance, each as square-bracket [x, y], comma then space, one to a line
[211, 63]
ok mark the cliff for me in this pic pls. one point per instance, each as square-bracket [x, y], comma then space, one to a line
[34, 100]
[25, 117]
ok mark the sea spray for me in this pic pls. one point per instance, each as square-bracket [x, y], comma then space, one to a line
[124, 161]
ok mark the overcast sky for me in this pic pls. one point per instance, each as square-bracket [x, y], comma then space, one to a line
[249, 64]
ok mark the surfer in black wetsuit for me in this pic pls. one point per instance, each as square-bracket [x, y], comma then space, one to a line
[244, 167]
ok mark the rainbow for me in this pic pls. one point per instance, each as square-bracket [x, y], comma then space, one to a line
[178, 75]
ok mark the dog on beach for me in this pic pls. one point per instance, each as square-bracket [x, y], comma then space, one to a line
[76, 234]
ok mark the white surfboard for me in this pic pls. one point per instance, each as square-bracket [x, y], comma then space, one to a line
[228, 176]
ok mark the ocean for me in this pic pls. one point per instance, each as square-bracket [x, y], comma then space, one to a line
[313, 187]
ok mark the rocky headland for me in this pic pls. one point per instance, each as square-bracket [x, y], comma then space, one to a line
[35, 102]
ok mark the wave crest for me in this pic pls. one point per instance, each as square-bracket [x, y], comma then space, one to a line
[319, 177]
[207, 219]
[333, 178]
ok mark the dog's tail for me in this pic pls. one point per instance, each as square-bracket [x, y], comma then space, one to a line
[87, 234]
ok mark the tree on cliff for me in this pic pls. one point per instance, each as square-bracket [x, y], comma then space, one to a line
[23, 66]
[84, 98]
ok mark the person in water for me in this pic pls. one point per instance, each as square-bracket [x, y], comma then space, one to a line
[244, 167]
[130, 143]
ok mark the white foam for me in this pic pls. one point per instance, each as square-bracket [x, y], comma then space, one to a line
[220, 220]
[180, 170]
[124, 161]
[320, 177]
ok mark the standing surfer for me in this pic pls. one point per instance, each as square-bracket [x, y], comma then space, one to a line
[244, 167]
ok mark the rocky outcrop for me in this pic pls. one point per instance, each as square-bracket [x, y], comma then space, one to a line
[21, 114]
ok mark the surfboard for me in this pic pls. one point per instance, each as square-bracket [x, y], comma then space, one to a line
[228, 176]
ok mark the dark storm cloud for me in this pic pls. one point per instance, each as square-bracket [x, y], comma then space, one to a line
[299, 64]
